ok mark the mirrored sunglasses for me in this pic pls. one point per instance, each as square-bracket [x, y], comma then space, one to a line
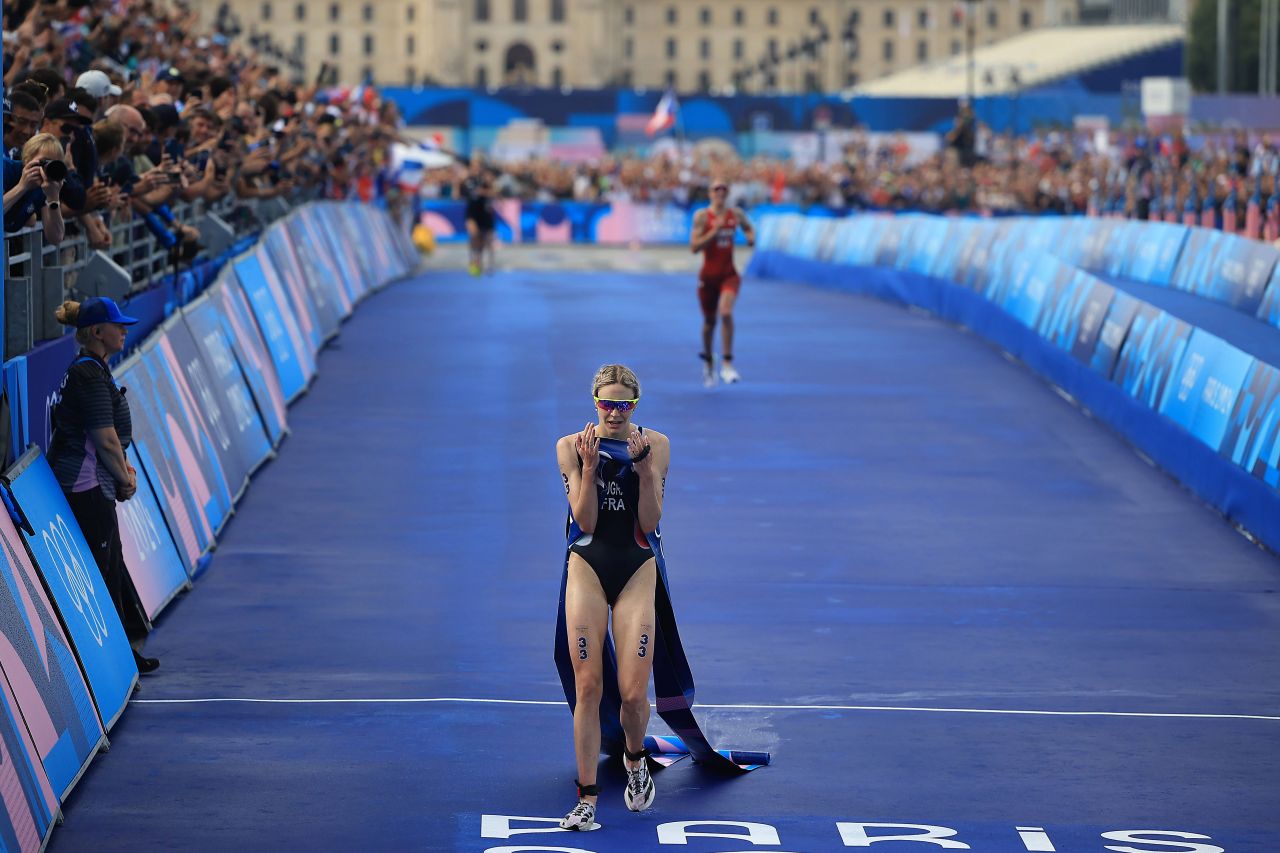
[623, 406]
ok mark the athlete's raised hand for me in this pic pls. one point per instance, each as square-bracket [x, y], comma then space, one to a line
[589, 448]
[638, 447]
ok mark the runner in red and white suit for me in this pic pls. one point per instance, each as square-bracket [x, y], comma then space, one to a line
[713, 232]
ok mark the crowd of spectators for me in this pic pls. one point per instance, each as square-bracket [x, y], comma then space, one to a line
[1226, 182]
[124, 108]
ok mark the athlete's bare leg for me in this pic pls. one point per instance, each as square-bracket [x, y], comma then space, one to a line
[490, 250]
[708, 334]
[586, 614]
[633, 638]
[725, 311]
[475, 244]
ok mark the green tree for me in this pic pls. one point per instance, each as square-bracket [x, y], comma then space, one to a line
[1244, 22]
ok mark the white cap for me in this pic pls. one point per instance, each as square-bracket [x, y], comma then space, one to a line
[97, 83]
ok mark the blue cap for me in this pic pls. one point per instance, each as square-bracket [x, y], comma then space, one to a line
[101, 309]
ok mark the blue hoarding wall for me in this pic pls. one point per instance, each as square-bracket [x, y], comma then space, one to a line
[283, 342]
[75, 585]
[41, 667]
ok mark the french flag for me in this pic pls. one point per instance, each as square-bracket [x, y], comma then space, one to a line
[664, 116]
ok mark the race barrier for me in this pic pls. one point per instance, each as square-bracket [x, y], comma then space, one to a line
[1054, 292]
[208, 391]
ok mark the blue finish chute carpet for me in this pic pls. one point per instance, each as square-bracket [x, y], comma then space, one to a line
[887, 545]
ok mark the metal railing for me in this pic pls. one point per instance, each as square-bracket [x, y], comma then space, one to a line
[38, 277]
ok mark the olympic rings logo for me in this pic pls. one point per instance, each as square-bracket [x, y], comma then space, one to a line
[60, 545]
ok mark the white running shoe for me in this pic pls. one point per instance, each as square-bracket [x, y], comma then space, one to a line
[728, 373]
[708, 374]
[640, 790]
[581, 819]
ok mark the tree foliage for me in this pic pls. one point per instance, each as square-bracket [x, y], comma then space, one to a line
[1244, 23]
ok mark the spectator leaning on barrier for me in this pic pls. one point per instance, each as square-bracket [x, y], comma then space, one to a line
[34, 185]
[92, 429]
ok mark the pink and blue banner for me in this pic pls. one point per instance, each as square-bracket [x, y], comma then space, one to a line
[228, 307]
[279, 332]
[164, 458]
[75, 585]
[30, 807]
[41, 669]
[155, 567]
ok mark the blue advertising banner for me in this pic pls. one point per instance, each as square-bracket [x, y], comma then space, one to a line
[177, 481]
[295, 305]
[1252, 439]
[173, 407]
[1202, 394]
[1122, 242]
[857, 238]
[1034, 282]
[41, 667]
[1073, 317]
[230, 307]
[75, 585]
[228, 385]
[46, 365]
[15, 388]
[328, 239]
[1091, 250]
[206, 408]
[886, 252]
[1154, 252]
[279, 333]
[29, 807]
[1115, 330]
[1269, 309]
[1151, 353]
[157, 571]
[1241, 271]
[320, 292]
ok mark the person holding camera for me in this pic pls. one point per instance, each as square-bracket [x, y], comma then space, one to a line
[35, 186]
[92, 429]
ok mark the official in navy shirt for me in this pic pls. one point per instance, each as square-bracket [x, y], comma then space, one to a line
[92, 429]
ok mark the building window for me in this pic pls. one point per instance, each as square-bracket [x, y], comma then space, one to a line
[993, 18]
[704, 81]
[669, 79]
[671, 48]
[772, 16]
[368, 11]
[855, 18]
[851, 78]
[956, 47]
[922, 17]
[366, 74]
[368, 45]
[814, 18]
[705, 16]
[411, 12]
[1026, 19]
[519, 10]
[266, 11]
[480, 11]
[922, 50]
[629, 16]
[704, 49]
[557, 46]
[624, 79]
[889, 19]
[481, 45]
[335, 11]
[482, 77]
[557, 78]
[888, 51]
[300, 44]
[628, 48]
[811, 82]
[557, 11]
[739, 17]
[408, 46]
[300, 12]
[410, 77]
[334, 44]
[738, 48]
[671, 15]
[771, 81]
